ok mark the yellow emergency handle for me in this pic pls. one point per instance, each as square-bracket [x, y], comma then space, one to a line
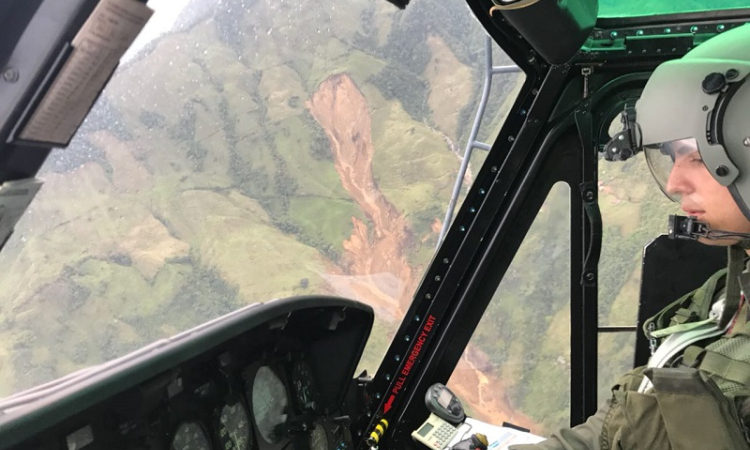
[378, 432]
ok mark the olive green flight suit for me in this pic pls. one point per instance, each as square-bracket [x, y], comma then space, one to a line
[693, 405]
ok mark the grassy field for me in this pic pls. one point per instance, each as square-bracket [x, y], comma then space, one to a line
[449, 91]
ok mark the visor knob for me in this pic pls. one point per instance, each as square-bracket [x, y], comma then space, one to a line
[722, 171]
[714, 82]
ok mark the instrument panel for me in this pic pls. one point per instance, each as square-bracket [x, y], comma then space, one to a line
[269, 404]
[272, 386]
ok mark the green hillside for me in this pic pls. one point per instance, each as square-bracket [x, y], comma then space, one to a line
[201, 182]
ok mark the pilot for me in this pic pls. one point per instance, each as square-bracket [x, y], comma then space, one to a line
[693, 124]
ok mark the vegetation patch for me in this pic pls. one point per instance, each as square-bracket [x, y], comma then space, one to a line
[450, 86]
[324, 222]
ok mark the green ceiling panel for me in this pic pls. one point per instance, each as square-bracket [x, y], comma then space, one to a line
[636, 8]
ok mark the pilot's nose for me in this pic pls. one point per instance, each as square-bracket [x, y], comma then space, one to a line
[678, 182]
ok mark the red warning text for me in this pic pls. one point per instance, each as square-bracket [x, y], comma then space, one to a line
[409, 363]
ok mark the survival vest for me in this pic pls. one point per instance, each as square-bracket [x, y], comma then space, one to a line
[695, 403]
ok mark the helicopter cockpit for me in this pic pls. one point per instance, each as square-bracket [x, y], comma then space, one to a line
[308, 225]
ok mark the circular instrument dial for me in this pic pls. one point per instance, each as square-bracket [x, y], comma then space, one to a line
[270, 402]
[234, 426]
[190, 436]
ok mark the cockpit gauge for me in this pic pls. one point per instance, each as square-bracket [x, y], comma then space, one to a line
[270, 402]
[190, 436]
[233, 425]
[319, 437]
[304, 385]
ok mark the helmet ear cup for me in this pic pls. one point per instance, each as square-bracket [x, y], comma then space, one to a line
[718, 120]
[734, 135]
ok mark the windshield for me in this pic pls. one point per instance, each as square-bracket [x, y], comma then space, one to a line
[246, 151]
[637, 8]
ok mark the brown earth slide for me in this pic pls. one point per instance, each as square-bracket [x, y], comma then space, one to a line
[374, 257]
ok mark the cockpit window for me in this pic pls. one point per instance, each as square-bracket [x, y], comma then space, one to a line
[245, 151]
[633, 211]
[516, 367]
[616, 8]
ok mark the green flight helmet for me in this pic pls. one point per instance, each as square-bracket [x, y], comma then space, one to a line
[701, 103]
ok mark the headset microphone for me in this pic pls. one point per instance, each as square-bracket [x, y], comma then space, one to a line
[681, 227]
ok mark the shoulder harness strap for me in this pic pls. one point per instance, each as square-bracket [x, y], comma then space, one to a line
[689, 311]
[734, 269]
[718, 365]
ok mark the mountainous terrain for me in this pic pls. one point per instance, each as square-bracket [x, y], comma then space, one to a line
[264, 149]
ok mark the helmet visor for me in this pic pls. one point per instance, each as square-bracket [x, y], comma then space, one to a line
[671, 163]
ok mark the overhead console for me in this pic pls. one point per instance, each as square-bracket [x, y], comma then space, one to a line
[270, 376]
[556, 30]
